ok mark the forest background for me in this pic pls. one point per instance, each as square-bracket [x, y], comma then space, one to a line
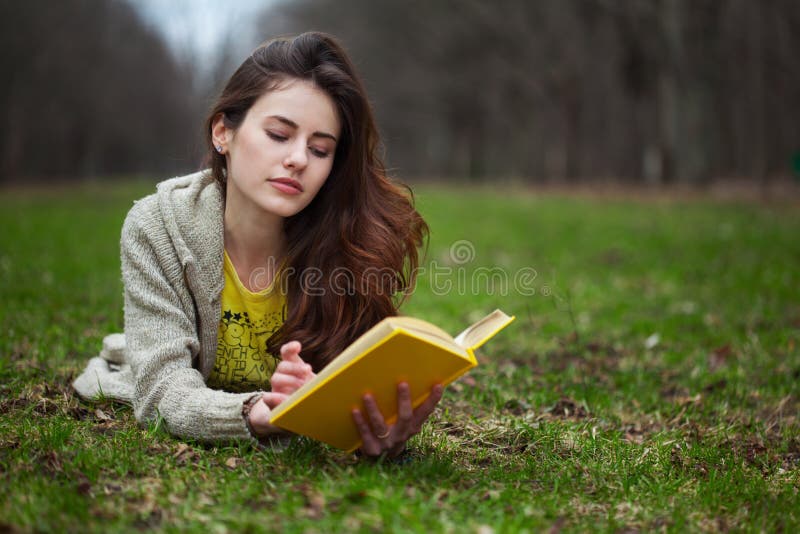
[575, 91]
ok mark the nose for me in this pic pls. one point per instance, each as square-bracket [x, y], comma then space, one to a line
[297, 158]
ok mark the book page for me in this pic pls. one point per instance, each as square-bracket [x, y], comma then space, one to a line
[480, 332]
[422, 327]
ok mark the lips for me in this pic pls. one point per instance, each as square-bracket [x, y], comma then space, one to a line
[289, 182]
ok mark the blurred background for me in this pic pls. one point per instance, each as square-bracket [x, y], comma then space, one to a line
[536, 91]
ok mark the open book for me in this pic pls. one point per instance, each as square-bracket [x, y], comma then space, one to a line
[397, 349]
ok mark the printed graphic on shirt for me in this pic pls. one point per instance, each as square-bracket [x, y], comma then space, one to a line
[243, 363]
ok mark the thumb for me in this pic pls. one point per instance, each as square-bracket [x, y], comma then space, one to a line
[272, 399]
[290, 352]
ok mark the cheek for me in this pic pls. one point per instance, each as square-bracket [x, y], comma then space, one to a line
[326, 166]
[323, 173]
[252, 151]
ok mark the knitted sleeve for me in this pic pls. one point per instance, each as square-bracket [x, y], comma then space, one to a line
[162, 338]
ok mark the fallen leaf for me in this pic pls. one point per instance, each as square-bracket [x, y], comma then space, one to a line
[689, 400]
[723, 351]
[52, 463]
[186, 455]
[634, 438]
[182, 448]
[356, 496]
[315, 503]
[714, 386]
[110, 489]
[233, 462]
[490, 495]
[557, 526]
[84, 488]
[719, 356]
[45, 407]
[205, 500]
[517, 406]
[567, 407]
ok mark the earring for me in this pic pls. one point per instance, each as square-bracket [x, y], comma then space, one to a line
[219, 148]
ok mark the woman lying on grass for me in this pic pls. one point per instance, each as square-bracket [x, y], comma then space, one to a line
[227, 268]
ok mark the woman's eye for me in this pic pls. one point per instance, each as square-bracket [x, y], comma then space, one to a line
[276, 136]
[319, 153]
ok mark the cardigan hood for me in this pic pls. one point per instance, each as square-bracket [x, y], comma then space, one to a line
[192, 208]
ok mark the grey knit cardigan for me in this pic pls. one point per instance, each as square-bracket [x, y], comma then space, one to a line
[172, 268]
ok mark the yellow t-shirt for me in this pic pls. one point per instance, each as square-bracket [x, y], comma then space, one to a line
[248, 320]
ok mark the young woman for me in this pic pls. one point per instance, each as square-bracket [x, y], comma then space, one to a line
[269, 252]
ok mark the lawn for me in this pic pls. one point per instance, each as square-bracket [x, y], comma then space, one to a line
[650, 381]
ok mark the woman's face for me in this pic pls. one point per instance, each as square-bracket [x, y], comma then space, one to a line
[282, 153]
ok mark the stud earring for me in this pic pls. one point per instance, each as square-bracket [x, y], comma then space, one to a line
[219, 148]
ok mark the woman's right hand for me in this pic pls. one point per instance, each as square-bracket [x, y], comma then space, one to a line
[292, 372]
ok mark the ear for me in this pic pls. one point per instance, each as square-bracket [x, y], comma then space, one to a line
[221, 135]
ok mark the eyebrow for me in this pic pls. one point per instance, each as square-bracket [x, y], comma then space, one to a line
[291, 123]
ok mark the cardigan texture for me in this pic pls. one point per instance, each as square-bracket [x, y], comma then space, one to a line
[172, 248]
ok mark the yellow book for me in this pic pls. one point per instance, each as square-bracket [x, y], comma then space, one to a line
[397, 349]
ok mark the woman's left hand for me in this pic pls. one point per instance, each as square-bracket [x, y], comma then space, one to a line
[378, 437]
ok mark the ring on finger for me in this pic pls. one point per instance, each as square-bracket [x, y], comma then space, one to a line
[384, 435]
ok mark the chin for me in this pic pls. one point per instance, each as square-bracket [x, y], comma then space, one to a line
[283, 208]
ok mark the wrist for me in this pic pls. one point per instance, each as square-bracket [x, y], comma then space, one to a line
[256, 417]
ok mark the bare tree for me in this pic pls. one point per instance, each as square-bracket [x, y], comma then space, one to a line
[661, 90]
[90, 91]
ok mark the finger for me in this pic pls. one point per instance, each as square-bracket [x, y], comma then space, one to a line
[284, 383]
[369, 443]
[425, 409]
[272, 399]
[405, 413]
[291, 351]
[298, 369]
[376, 419]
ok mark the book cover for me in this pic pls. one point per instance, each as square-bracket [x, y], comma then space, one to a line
[397, 349]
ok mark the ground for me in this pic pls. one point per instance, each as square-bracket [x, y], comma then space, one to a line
[648, 383]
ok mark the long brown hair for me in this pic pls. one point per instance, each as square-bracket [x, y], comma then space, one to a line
[353, 251]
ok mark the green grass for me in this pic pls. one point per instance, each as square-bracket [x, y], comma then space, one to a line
[649, 382]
